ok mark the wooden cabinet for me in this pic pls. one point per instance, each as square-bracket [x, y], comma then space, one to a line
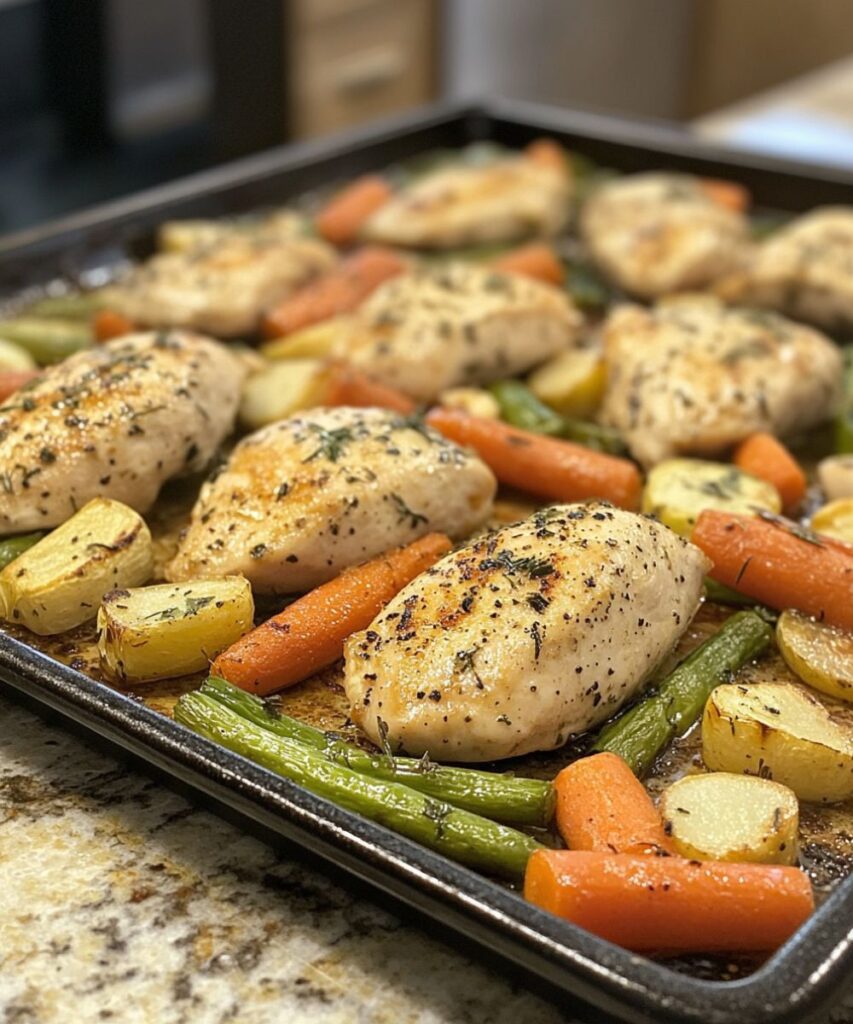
[353, 60]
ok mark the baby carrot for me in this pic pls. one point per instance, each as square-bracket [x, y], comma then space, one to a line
[310, 633]
[671, 904]
[536, 260]
[764, 456]
[13, 380]
[779, 564]
[108, 324]
[728, 194]
[341, 219]
[545, 466]
[548, 153]
[340, 291]
[348, 386]
[603, 806]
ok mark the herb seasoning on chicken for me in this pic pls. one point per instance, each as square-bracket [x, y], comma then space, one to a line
[303, 499]
[525, 637]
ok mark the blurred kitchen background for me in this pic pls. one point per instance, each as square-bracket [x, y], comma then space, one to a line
[99, 98]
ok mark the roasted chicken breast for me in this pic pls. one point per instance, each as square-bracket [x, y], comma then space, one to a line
[694, 377]
[524, 637]
[222, 285]
[653, 234]
[805, 269]
[115, 421]
[508, 198]
[305, 498]
[436, 328]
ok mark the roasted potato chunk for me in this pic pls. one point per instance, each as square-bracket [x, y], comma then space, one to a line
[821, 655]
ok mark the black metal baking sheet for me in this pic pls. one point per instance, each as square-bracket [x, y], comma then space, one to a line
[800, 980]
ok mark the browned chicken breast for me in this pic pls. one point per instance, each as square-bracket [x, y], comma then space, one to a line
[508, 198]
[805, 270]
[115, 421]
[693, 377]
[524, 637]
[436, 328]
[303, 499]
[222, 285]
[653, 234]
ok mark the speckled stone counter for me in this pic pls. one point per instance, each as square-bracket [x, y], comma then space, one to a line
[121, 902]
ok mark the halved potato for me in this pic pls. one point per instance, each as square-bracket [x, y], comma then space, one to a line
[572, 383]
[835, 475]
[722, 816]
[281, 389]
[820, 655]
[474, 401]
[778, 731]
[314, 342]
[14, 357]
[677, 490]
[58, 583]
[835, 519]
[169, 629]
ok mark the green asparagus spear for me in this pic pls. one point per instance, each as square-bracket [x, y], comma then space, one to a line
[499, 797]
[467, 838]
[11, 547]
[719, 593]
[588, 289]
[73, 306]
[639, 734]
[844, 419]
[521, 408]
[47, 340]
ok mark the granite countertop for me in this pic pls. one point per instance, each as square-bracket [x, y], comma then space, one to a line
[121, 902]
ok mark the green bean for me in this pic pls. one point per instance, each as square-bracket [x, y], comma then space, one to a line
[464, 837]
[11, 547]
[639, 734]
[491, 794]
[73, 306]
[719, 593]
[47, 340]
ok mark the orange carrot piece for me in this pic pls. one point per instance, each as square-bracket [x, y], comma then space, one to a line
[603, 806]
[341, 219]
[668, 903]
[310, 633]
[547, 152]
[108, 324]
[764, 456]
[12, 380]
[348, 386]
[775, 564]
[545, 466]
[340, 291]
[536, 260]
[728, 194]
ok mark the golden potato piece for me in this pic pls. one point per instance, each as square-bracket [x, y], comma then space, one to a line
[821, 655]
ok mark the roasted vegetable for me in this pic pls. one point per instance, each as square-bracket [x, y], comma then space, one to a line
[835, 475]
[281, 389]
[12, 547]
[571, 383]
[70, 306]
[498, 796]
[639, 734]
[844, 417]
[314, 342]
[15, 357]
[59, 582]
[474, 401]
[779, 731]
[835, 520]
[679, 489]
[468, 838]
[721, 816]
[820, 655]
[171, 629]
[47, 340]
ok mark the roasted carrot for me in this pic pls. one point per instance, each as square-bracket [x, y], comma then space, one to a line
[12, 380]
[768, 459]
[603, 806]
[779, 564]
[340, 291]
[108, 324]
[545, 466]
[728, 194]
[536, 260]
[348, 386]
[548, 153]
[341, 219]
[669, 903]
[310, 633]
